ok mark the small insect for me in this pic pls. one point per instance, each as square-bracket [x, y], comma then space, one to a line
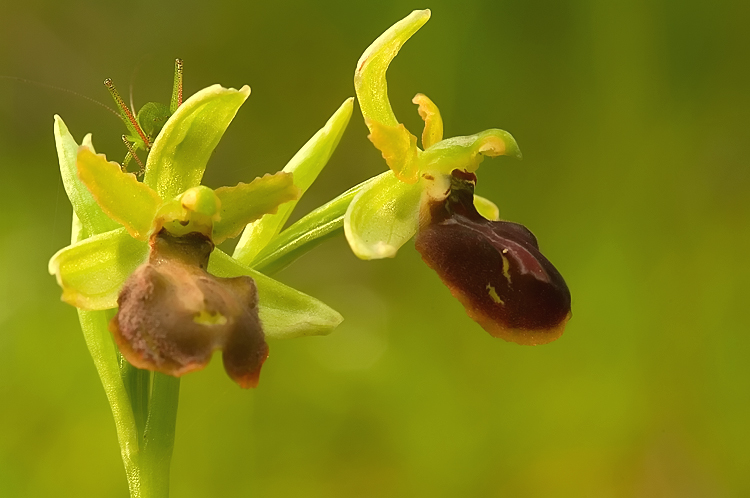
[145, 125]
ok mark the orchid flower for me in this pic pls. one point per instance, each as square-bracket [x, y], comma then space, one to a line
[143, 269]
[493, 267]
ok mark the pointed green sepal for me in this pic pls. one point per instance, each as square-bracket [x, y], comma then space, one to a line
[126, 200]
[466, 153]
[92, 272]
[383, 217]
[306, 165]
[91, 217]
[247, 202]
[285, 312]
[180, 153]
[369, 77]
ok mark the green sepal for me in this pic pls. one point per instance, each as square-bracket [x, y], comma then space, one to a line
[285, 312]
[466, 153]
[247, 202]
[120, 195]
[91, 217]
[180, 153]
[383, 217]
[317, 226]
[369, 77]
[92, 271]
[306, 165]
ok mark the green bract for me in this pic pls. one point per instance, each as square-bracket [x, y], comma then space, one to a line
[383, 216]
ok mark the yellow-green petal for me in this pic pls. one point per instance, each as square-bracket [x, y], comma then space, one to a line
[120, 195]
[306, 165]
[486, 208]
[92, 272]
[433, 122]
[180, 153]
[466, 153]
[285, 312]
[247, 202]
[383, 217]
[91, 217]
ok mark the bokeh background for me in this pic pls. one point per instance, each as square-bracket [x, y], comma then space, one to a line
[633, 119]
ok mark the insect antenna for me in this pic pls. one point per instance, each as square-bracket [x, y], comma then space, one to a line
[132, 155]
[130, 120]
[60, 89]
[176, 87]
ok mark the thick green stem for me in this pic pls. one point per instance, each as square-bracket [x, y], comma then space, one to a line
[158, 440]
[138, 384]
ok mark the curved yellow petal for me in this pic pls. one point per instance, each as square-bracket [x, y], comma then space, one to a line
[433, 122]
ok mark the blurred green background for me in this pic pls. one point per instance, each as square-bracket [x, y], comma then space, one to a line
[633, 120]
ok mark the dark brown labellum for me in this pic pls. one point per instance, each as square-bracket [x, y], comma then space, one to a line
[173, 314]
[494, 268]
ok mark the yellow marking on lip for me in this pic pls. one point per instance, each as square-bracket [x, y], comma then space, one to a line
[506, 265]
[208, 318]
[493, 294]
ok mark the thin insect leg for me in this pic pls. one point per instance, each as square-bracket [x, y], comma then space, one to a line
[131, 153]
[176, 87]
[133, 123]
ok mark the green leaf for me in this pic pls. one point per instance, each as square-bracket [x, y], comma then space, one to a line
[91, 217]
[247, 202]
[383, 217]
[369, 77]
[467, 153]
[92, 272]
[486, 208]
[311, 230]
[120, 195]
[306, 165]
[180, 153]
[285, 312]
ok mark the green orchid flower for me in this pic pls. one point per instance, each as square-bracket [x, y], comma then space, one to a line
[142, 269]
[93, 271]
[385, 216]
[493, 267]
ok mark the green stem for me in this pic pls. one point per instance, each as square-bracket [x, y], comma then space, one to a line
[159, 436]
[138, 384]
